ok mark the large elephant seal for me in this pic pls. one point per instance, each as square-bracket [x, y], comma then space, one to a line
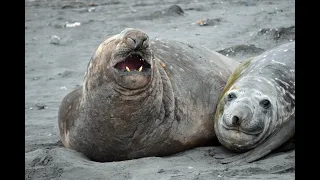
[256, 111]
[144, 98]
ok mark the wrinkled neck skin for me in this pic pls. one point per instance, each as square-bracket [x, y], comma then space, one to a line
[250, 91]
[131, 120]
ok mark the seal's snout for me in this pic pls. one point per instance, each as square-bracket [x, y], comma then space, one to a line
[138, 42]
[133, 53]
[132, 59]
[236, 117]
[240, 118]
[135, 38]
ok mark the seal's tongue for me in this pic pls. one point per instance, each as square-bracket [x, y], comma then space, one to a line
[132, 62]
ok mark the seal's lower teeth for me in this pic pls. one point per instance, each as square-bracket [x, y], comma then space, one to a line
[140, 69]
[127, 69]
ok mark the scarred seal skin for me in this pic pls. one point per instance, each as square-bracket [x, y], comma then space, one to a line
[143, 98]
[257, 107]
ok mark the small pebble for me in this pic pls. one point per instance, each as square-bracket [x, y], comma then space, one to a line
[92, 9]
[55, 40]
[41, 106]
[50, 78]
[75, 24]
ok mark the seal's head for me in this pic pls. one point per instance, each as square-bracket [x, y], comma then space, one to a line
[131, 60]
[245, 113]
[127, 59]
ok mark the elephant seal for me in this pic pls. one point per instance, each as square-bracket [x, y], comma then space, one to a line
[143, 98]
[256, 111]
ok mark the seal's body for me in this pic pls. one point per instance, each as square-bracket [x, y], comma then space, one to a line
[258, 103]
[144, 98]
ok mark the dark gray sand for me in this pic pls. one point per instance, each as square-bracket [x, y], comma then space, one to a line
[62, 35]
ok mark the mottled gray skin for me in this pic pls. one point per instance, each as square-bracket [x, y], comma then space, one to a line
[258, 103]
[119, 115]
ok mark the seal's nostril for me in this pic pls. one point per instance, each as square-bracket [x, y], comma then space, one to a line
[235, 120]
[131, 41]
[145, 43]
[144, 39]
[137, 41]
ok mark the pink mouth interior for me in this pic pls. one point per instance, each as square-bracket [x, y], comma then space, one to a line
[133, 62]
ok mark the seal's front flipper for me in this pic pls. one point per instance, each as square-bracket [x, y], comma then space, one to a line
[282, 135]
[288, 146]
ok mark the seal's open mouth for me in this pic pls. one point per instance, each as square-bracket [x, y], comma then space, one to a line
[133, 62]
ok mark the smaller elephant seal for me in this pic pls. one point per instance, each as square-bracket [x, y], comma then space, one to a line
[256, 111]
[143, 97]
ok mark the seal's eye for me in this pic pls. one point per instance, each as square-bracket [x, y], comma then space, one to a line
[231, 96]
[265, 103]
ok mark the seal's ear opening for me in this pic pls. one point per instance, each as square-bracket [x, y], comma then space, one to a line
[133, 62]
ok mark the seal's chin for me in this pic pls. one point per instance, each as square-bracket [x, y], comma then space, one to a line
[133, 72]
[238, 139]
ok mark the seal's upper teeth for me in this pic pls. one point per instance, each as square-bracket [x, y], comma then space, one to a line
[127, 69]
[140, 69]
